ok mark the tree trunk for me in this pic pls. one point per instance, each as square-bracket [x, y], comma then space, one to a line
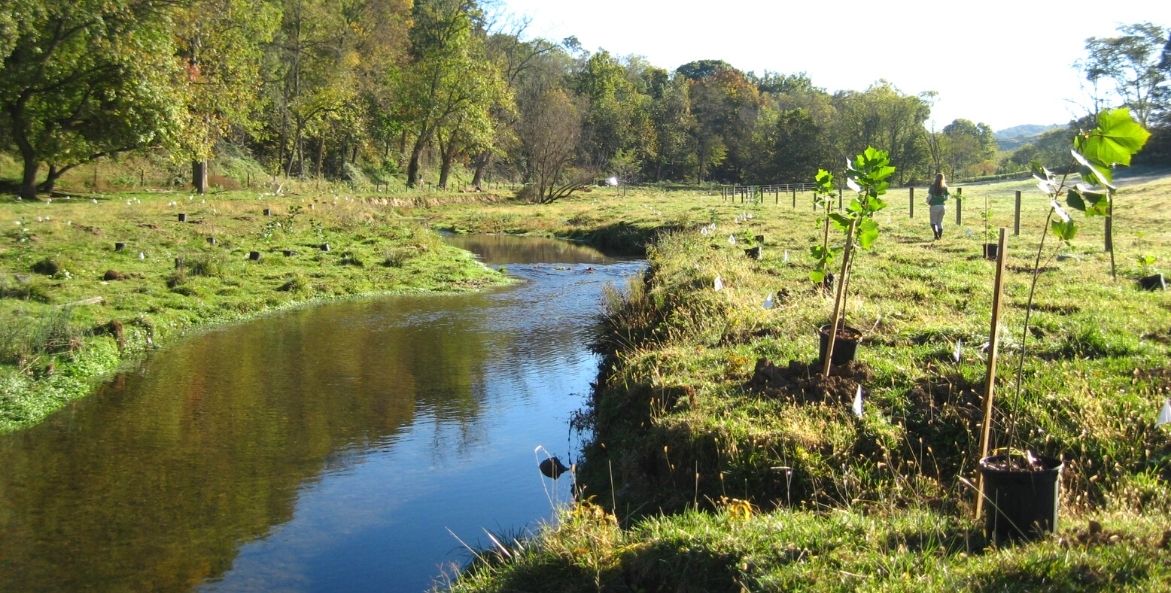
[446, 157]
[50, 181]
[481, 163]
[413, 165]
[199, 176]
[321, 157]
[28, 181]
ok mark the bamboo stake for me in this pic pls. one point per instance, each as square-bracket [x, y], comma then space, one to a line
[990, 375]
[839, 300]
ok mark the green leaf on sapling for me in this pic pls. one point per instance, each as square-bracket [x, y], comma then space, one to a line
[1117, 138]
[817, 276]
[825, 181]
[1065, 230]
[841, 221]
[867, 233]
[1086, 199]
[1092, 173]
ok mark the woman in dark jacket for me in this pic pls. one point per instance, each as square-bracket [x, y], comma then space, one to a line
[937, 196]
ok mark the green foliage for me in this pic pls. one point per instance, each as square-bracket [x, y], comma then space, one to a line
[23, 337]
[1146, 262]
[1115, 139]
[868, 176]
[86, 79]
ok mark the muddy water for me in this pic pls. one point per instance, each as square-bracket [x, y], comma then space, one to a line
[349, 447]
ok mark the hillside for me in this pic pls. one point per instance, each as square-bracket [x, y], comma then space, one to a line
[1017, 136]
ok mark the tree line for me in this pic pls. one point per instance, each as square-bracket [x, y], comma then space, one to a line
[338, 89]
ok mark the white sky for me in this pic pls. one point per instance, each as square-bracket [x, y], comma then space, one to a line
[1003, 63]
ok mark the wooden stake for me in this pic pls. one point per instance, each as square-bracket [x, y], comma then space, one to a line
[990, 374]
[839, 301]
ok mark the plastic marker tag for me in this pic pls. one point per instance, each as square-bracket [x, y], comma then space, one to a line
[959, 351]
[718, 285]
[1164, 414]
[857, 407]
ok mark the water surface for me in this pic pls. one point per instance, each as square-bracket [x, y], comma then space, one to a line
[349, 447]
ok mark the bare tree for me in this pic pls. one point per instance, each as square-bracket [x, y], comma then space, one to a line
[550, 130]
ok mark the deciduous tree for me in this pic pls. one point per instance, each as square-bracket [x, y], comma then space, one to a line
[86, 79]
[1130, 64]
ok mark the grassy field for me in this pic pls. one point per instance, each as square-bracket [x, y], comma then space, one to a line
[707, 473]
[88, 283]
[702, 465]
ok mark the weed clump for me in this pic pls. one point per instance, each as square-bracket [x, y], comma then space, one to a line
[23, 339]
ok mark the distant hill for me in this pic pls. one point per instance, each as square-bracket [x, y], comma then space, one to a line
[1013, 138]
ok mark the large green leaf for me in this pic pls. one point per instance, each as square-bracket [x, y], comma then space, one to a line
[1093, 203]
[1093, 173]
[867, 233]
[1117, 138]
[840, 220]
[825, 182]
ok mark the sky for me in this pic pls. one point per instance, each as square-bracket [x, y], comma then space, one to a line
[1001, 63]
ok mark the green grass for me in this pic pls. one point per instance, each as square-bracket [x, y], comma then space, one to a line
[688, 457]
[736, 548]
[73, 308]
[678, 426]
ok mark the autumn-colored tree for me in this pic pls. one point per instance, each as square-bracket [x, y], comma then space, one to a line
[220, 44]
[450, 80]
[725, 104]
[883, 116]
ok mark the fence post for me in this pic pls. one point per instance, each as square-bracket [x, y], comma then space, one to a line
[839, 198]
[794, 198]
[1016, 219]
[959, 205]
[911, 200]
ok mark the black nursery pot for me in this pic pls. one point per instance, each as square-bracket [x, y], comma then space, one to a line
[845, 347]
[1154, 282]
[1020, 504]
[991, 250]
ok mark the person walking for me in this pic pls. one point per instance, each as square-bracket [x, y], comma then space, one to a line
[937, 196]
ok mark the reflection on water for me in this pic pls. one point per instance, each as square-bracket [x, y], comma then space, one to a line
[504, 249]
[341, 448]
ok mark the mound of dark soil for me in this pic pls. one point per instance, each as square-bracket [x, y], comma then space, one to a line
[803, 382]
